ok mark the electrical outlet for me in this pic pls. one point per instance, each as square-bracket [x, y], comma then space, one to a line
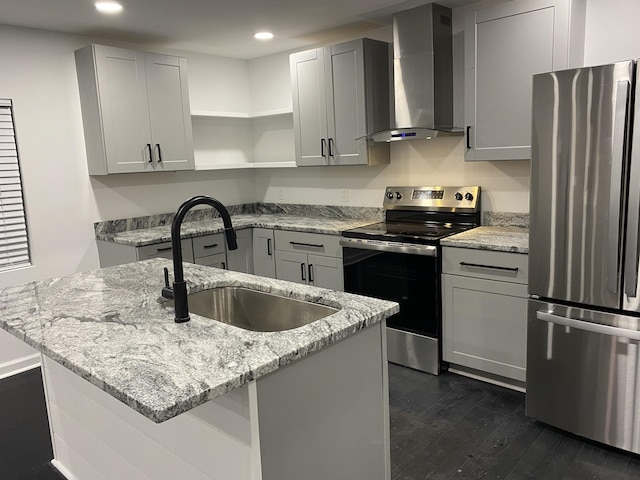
[344, 195]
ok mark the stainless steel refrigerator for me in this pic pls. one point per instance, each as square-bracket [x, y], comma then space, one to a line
[583, 339]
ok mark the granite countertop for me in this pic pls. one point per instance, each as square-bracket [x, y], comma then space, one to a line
[148, 236]
[111, 327]
[502, 239]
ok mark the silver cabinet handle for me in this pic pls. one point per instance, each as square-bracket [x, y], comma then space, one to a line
[617, 152]
[588, 326]
[490, 267]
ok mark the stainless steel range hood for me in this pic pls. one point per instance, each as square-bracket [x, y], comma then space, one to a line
[423, 74]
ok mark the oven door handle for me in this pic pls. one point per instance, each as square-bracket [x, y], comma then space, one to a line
[426, 250]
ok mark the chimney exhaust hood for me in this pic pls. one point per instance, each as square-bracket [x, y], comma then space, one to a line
[423, 74]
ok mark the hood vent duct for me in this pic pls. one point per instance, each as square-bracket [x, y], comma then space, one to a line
[423, 74]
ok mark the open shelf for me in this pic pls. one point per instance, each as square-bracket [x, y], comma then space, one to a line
[266, 113]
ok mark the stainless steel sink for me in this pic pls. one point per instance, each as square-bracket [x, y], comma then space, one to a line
[254, 310]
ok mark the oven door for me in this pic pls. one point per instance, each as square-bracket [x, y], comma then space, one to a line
[412, 280]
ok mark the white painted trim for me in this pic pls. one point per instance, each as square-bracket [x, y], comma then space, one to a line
[63, 471]
[488, 379]
[244, 166]
[265, 113]
[19, 365]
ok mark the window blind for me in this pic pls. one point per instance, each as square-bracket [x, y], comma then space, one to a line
[14, 243]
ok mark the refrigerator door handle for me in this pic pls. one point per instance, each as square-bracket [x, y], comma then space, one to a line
[633, 221]
[617, 152]
[588, 326]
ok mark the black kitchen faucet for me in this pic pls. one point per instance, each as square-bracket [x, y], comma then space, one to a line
[179, 290]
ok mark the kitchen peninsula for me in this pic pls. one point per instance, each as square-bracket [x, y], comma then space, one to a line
[131, 394]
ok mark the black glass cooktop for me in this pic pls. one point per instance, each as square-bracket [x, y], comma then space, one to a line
[423, 233]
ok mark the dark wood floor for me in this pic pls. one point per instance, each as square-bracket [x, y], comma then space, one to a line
[444, 427]
[452, 427]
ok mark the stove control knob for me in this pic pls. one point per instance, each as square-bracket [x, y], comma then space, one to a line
[458, 196]
[468, 196]
[398, 195]
[390, 195]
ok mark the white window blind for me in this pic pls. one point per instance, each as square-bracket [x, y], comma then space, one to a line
[14, 243]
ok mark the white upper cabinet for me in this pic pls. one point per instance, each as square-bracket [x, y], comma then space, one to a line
[135, 110]
[335, 105]
[505, 45]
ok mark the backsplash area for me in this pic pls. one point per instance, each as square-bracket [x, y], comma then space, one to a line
[330, 211]
[505, 219]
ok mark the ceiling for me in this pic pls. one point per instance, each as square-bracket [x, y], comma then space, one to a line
[213, 26]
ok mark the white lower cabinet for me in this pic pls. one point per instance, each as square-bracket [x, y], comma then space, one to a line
[484, 301]
[309, 258]
[241, 260]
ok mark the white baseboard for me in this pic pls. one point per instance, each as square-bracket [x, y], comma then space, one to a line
[19, 365]
[63, 471]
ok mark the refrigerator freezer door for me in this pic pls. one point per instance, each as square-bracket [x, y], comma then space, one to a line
[578, 168]
[583, 373]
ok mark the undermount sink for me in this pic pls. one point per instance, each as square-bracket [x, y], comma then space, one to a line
[255, 310]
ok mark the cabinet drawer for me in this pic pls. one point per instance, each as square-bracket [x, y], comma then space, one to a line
[219, 260]
[163, 250]
[208, 245]
[314, 243]
[504, 266]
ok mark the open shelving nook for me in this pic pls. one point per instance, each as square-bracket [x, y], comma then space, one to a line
[239, 140]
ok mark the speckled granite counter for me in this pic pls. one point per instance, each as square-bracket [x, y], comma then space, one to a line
[110, 327]
[502, 239]
[148, 236]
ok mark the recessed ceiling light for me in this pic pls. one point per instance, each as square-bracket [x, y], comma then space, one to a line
[108, 7]
[263, 35]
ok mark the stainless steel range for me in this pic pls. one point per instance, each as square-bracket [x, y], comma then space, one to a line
[399, 260]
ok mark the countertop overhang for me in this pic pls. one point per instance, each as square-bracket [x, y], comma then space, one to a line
[111, 327]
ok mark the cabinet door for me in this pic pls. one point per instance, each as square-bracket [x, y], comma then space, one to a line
[264, 263]
[241, 260]
[485, 325]
[291, 266]
[124, 109]
[346, 121]
[309, 107]
[505, 45]
[325, 272]
[169, 112]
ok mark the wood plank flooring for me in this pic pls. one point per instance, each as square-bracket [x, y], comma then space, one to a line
[444, 427]
[453, 427]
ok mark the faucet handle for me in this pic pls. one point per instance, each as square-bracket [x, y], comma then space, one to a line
[166, 277]
[167, 291]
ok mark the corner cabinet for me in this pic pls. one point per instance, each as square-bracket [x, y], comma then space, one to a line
[135, 110]
[484, 304]
[341, 94]
[309, 258]
[264, 262]
[505, 45]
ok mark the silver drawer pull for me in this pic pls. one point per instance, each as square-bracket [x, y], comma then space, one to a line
[491, 267]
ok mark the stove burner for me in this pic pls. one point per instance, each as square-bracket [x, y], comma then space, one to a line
[406, 232]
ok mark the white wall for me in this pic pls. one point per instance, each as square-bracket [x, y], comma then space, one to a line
[611, 31]
[62, 201]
